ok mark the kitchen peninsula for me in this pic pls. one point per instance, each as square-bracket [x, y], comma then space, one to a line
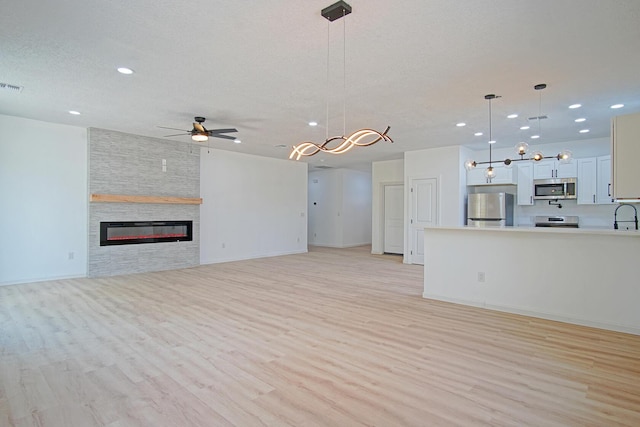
[586, 277]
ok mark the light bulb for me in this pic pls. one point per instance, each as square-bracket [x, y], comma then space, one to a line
[490, 173]
[469, 164]
[199, 137]
[565, 156]
[537, 156]
[522, 148]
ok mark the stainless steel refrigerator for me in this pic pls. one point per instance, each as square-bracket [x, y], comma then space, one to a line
[490, 210]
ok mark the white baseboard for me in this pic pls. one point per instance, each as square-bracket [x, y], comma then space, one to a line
[41, 279]
[548, 316]
[253, 256]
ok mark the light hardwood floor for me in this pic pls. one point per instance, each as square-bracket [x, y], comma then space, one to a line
[335, 337]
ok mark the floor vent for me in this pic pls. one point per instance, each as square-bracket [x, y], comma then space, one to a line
[10, 88]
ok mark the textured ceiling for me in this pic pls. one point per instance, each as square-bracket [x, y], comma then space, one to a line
[419, 66]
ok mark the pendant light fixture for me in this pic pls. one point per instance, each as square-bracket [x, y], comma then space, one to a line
[490, 172]
[339, 144]
[522, 147]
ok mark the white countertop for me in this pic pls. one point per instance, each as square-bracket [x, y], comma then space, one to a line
[600, 231]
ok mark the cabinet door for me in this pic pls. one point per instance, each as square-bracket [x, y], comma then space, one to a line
[525, 183]
[566, 170]
[586, 181]
[476, 176]
[544, 169]
[603, 181]
[504, 175]
[625, 150]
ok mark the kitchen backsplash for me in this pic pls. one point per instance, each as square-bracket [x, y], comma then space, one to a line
[591, 216]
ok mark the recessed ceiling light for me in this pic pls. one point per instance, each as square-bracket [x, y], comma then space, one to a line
[616, 106]
[461, 124]
[574, 106]
[313, 123]
[478, 134]
[535, 136]
[237, 141]
[512, 116]
[75, 113]
[584, 130]
[492, 142]
[524, 127]
[125, 70]
[580, 120]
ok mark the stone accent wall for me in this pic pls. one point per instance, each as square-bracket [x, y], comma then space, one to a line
[121, 163]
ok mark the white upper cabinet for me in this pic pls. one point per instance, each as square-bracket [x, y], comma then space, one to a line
[544, 169]
[566, 170]
[552, 168]
[625, 150]
[525, 183]
[504, 175]
[587, 185]
[603, 181]
[594, 178]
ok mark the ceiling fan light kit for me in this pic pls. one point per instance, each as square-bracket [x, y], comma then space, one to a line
[361, 137]
[521, 148]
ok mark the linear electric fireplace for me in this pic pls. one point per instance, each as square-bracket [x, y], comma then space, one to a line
[135, 232]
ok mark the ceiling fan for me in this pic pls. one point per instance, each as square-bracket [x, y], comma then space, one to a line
[200, 134]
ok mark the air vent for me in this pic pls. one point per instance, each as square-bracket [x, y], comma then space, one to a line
[323, 167]
[10, 88]
[538, 118]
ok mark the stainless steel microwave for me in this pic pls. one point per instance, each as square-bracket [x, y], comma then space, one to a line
[556, 188]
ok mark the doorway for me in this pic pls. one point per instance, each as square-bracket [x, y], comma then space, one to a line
[393, 219]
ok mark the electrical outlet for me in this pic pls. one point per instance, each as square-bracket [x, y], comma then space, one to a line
[71, 255]
[481, 276]
[224, 246]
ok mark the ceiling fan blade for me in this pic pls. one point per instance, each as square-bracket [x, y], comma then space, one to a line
[164, 127]
[215, 135]
[212, 131]
[178, 134]
[199, 127]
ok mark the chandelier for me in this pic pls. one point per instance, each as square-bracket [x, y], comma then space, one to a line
[522, 147]
[339, 144]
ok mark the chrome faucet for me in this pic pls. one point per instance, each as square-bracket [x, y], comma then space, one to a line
[615, 215]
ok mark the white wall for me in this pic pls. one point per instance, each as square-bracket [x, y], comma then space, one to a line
[356, 202]
[390, 172]
[587, 278]
[43, 194]
[443, 163]
[339, 208]
[252, 206]
[325, 205]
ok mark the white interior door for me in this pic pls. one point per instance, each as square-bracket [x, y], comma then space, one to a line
[394, 219]
[424, 213]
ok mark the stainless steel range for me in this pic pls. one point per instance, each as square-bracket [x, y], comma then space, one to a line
[557, 221]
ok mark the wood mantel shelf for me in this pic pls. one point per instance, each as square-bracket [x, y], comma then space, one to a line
[123, 198]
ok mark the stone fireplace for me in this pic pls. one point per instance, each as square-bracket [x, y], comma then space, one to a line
[142, 186]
